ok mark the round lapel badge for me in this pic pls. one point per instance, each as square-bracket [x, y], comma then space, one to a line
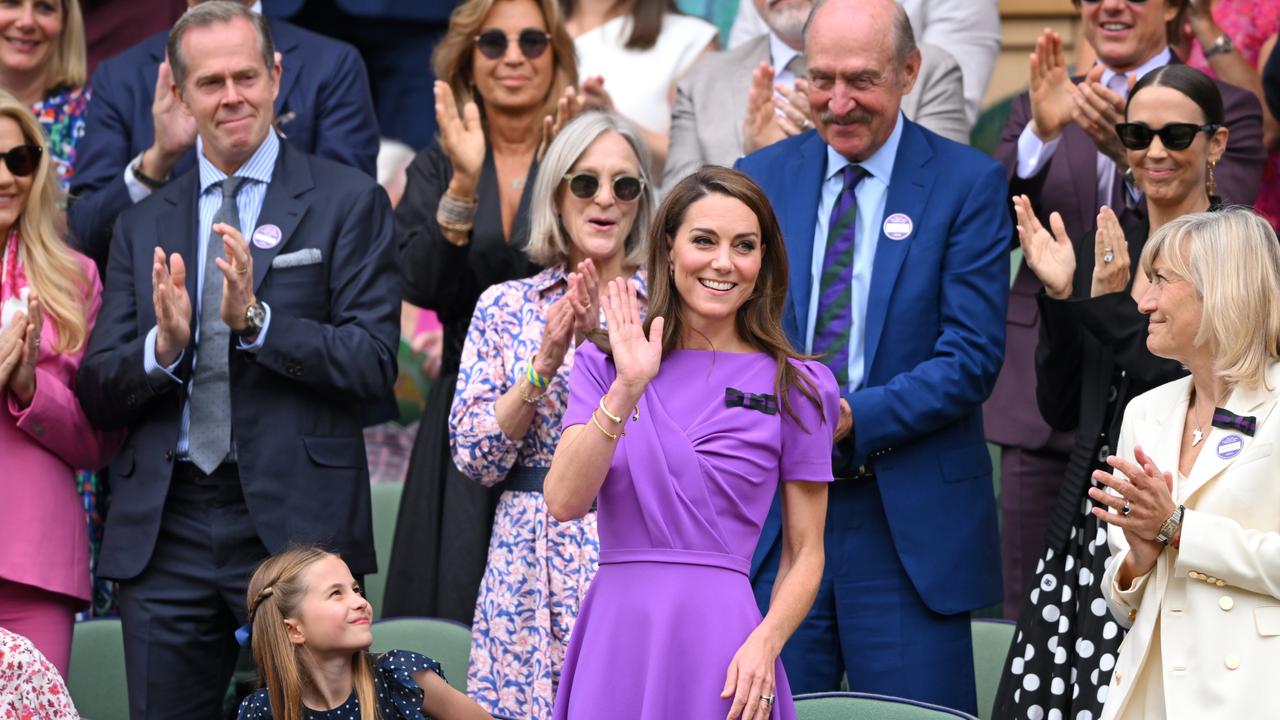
[897, 226]
[1230, 446]
[266, 237]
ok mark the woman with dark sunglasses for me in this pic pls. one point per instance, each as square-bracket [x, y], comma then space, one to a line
[591, 210]
[1091, 360]
[49, 299]
[462, 226]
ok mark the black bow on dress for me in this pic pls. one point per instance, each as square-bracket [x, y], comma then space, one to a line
[767, 404]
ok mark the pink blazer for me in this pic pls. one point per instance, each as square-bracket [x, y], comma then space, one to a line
[45, 541]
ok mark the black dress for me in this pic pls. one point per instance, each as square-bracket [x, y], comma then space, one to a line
[399, 695]
[1091, 360]
[442, 533]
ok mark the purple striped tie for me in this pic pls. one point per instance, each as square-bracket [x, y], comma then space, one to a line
[834, 321]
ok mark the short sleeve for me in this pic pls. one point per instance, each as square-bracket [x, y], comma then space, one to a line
[592, 374]
[806, 445]
[257, 706]
[404, 697]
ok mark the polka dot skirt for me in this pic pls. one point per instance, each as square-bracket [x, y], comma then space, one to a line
[1066, 644]
[399, 696]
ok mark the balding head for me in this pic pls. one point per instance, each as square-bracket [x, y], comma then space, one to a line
[862, 59]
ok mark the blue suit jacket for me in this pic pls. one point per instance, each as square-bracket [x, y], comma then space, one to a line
[297, 403]
[397, 9]
[934, 343]
[324, 105]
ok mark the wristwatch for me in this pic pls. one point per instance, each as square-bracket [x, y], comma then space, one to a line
[254, 316]
[1220, 46]
[145, 179]
[1170, 526]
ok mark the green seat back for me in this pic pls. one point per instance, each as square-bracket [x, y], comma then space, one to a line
[386, 506]
[95, 678]
[991, 642]
[865, 706]
[445, 641]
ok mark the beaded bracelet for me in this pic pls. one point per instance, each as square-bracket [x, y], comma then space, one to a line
[537, 380]
[455, 211]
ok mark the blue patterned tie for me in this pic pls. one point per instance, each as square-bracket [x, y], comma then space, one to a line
[834, 323]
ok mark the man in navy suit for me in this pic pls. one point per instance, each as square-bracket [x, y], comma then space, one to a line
[137, 136]
[251, 312]
[899, 279]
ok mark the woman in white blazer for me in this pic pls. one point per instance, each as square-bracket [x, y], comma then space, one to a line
[1194, 504]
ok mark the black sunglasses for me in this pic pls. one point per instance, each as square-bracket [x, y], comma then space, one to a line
[493, 43]
[1131, 2]
[22, 160]
[625, 187]
[1174, 136]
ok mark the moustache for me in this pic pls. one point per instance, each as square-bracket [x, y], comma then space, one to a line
[853, 117]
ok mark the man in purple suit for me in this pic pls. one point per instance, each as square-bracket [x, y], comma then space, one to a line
[1060, 148]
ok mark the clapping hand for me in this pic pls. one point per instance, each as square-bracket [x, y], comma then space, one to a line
[571, 105]
[1052, 91]
[12, 347]
[174, 127]
[584, 296]
[556, 336]
[22, 381]
[1050, 256]
[237, 276]
[594, 96]
[760, 128]
[1097, 110]
[636, 357]
[791, 110]
[172, 306]
[1110, 256]
[461, 134]
[1141, 503]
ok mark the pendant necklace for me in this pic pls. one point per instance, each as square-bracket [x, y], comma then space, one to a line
[517, 184]
[1197, 435]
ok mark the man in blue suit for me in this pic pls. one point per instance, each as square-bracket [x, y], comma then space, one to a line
[251, 312]
[137, 136]
[899, 281]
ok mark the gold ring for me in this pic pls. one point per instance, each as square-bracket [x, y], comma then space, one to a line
[243, 271]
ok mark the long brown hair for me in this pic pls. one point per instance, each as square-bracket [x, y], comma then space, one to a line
[759, 319]
[55, 272]
[646, 20]
[453, 62]
[275, 592]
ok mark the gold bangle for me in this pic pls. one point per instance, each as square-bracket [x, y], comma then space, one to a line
[529, 398]
[600, 427]
[605, 410]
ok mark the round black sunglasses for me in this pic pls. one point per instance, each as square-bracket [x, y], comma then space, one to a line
[493, 43]
[625, 187]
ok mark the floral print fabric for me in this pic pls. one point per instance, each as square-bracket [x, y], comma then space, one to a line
[61, 114]
[30, 686]
[538, 568]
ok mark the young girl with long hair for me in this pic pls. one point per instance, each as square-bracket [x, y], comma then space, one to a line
[310, 629]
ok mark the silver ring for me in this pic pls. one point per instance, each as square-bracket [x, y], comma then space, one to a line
[768, 699]
[1125, 510]
[37, 343]
[1108, 256]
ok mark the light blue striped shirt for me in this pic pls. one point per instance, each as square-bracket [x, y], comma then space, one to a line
[871, 195]
[249, 198]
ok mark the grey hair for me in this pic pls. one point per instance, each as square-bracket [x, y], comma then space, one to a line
[216, 12]
[904, 38]
[548, 241]
[1232, 259]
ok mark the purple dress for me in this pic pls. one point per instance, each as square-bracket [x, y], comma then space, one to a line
[679, 517]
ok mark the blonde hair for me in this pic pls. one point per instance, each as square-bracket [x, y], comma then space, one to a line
[1232, 259]
[275, 593]
[548, 242]
[453, 61]
[54, 270]
[69, 65]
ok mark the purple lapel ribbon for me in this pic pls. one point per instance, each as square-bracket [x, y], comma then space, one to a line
[1227, 420]
[766, 404]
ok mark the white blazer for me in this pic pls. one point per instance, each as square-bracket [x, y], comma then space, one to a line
[1218, 597]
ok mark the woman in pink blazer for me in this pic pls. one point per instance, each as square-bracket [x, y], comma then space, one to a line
[49, 298]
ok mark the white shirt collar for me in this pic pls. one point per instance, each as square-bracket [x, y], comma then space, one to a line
[1160, 59]
[780, 53]
[256, 7]
[879, 165]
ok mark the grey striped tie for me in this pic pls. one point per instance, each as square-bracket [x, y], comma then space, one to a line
[209, 435]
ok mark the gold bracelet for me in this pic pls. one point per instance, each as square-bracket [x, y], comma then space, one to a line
[600, 427]
[635, 412]
[531, 399]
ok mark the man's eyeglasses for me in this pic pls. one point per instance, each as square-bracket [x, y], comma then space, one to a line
[22, 160]
[532, 42]
[625, 187]
[1174, 136]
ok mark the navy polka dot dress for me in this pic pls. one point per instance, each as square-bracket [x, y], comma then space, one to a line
[399, 697]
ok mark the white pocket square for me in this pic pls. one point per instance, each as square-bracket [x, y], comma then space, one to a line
[308, 256]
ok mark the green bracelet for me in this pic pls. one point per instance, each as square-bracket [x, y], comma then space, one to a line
[537, 380]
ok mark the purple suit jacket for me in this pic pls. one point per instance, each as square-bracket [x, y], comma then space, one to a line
[1068, 184]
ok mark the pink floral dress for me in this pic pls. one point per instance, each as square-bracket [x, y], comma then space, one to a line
[30, 687]
[1249, 23]
[538, 569]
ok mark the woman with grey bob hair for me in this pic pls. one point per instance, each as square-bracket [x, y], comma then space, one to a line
[591, 209]
[1191, 503]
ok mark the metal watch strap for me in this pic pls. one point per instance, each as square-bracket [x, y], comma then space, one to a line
[253, 316]
[1221, 46]
[1170, 526]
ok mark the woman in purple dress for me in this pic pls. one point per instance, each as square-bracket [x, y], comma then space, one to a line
[717, 410]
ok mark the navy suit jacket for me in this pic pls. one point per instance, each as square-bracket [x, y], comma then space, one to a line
[934, 343]
[397, 9]
[324, 104]
[297, 403]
